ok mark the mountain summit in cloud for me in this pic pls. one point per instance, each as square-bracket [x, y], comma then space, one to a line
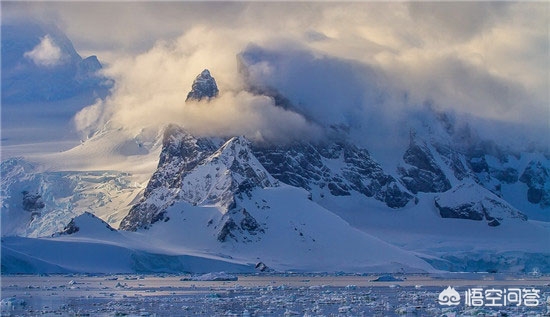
[40, 64]
[204, 86]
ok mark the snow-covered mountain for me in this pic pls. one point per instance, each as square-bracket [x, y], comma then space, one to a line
[220, 198]
[195, 171]
[88, 244]
[445, 199]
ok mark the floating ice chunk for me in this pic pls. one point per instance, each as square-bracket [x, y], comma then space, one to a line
[8, 304]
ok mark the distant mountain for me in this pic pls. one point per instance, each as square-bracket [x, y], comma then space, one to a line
[86, 222]
[39, 63]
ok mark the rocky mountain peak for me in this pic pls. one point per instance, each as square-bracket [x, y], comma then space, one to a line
[87, 222]
[229, 173]
[198, 172]
[87, 70]
[204, 87]
[181, 152]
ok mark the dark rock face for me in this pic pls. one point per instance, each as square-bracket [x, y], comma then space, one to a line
[504, 170]
[227, 230]
[204, 87]
[367, 177]
[423, 173]
[248, 223]
[260, 266]
[239, 225]
[32, 202]
[537, 178]
[479, 164]
[70, 228]
[294, 165]
[181, 152]
[453, 159]
[491, 176]
[140, 216]
[307, 165]
[507, 175]
[472, 211]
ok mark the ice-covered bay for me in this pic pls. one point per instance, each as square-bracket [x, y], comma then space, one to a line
[258, 295]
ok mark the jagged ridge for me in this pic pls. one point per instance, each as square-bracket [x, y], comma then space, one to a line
[194, 171]
[339, 167]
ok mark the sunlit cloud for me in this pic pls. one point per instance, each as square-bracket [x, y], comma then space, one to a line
[151, 89]
[487, 60]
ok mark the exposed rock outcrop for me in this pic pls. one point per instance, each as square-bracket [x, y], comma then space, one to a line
[204, 87]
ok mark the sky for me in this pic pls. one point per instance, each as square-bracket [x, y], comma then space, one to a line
[340, 63]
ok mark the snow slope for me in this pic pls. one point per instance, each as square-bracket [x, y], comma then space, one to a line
[450, 244]
[296, 234]
[96, 248]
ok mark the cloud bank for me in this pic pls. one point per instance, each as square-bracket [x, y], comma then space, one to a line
[151, 89]
[486, 60]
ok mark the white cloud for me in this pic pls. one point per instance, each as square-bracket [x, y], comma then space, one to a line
[46, 53]
[151, 89]
[88, 119]
[487, 60]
